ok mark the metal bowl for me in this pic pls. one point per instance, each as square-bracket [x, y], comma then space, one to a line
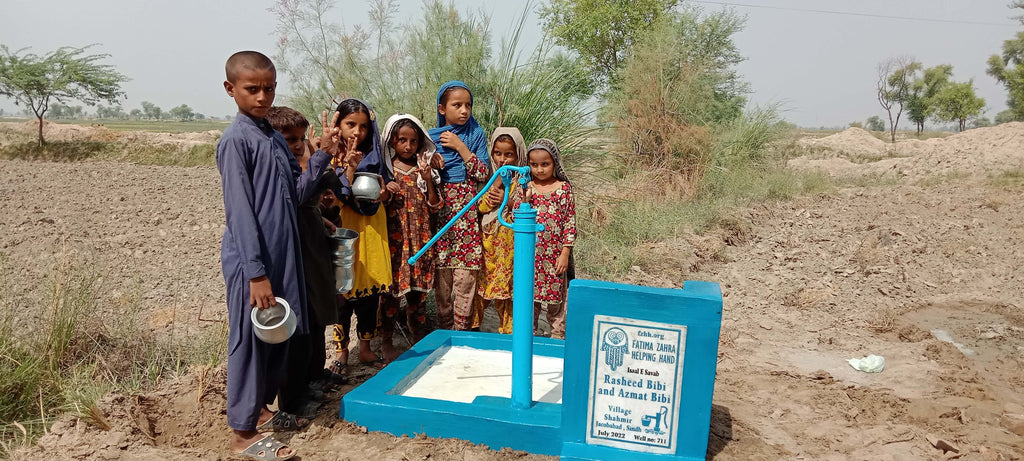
[366, 186]
[275, 324]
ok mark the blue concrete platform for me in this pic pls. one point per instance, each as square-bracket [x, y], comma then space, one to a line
[378, 404]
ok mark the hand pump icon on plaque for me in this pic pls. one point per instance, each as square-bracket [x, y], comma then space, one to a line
[660, 418]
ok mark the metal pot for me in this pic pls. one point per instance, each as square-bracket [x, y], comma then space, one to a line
[275, 324]
[366, 186]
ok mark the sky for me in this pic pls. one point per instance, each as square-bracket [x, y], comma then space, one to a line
[820, 68]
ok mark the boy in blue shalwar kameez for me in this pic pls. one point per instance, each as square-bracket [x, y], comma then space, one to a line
[262, 185]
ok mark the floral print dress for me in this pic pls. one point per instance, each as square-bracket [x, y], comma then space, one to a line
[462, 246]
[556, 210]
[408, 230]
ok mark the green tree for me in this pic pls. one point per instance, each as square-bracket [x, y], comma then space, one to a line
[676, 87]
[65, 74]
[602, 32]
[398, 67]
[151, 111]
[920, 104]
[875, 123]
[957, 102]
[1008, 68]
[182, 112]
[893, 88]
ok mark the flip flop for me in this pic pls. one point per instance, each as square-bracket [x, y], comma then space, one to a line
[377, 363]
[266, 449]
[281, 422]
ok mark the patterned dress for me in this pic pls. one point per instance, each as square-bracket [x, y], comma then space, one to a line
[495, 281]
[408, 230]
[462, 246]
[556, 210]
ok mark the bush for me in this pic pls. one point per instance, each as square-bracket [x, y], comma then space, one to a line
[543, 94]
[677, 86]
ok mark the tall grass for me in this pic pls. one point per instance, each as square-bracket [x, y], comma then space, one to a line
[398, 67]
[82, 349]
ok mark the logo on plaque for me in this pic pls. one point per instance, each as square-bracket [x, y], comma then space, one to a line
[634, 391]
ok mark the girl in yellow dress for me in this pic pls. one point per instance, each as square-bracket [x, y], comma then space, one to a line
[495, 281]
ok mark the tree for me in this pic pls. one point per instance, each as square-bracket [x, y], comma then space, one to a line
[875, 123]
[1008, 68]
[151, 111]
[602, 32]
[957, 102]
[64, 74]
[135, 114]
[182, 112]
[114, 112]
[920, 104]
[893, 88]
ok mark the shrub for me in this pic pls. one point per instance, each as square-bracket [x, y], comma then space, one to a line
[399, 67]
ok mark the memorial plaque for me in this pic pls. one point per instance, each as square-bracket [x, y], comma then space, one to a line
[634, 389]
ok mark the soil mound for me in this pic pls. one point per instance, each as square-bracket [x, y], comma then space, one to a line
[854, 152]
[850, 142]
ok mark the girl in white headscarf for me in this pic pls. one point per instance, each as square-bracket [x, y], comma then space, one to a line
[495, 280]
[413, 200]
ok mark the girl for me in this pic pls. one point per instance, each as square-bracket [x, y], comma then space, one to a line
[551, 194]
[460, 251]
[372, 269]
[495, 281]
[413, 200]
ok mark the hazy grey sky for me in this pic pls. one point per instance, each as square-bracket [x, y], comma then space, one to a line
[820, 67]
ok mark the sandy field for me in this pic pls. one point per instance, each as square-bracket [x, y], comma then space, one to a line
[931, 249]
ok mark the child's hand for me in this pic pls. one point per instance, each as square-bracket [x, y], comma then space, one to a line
[261, 295]
[312, 141]
[528, 197]
[330, 134]
[329, 225]
[393, 187]
[452, 141]
[562, 263]
[352, 157]
[494, 196]
[437, 161]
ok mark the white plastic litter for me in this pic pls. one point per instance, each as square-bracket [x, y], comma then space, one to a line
[870, 364]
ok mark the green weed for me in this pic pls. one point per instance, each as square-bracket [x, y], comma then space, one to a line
[84, 348]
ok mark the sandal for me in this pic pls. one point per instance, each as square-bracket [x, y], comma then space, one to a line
[338, 367]
[266, 449]
[377, 363]
[281, 422]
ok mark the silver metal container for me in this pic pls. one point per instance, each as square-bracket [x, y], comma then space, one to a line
[366, 186]
[275, 324]
[343, 249]
[343, 278]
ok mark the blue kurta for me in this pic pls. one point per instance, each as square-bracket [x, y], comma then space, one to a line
[263, 185]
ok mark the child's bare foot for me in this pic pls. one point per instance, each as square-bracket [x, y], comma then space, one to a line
[368, 357]
[388, 348]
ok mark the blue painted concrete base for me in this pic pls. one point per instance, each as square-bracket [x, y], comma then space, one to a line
[379, 405]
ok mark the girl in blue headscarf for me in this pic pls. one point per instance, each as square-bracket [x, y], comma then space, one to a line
[372, 269]
[463, 146]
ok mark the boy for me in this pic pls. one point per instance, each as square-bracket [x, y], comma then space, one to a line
[305, 380]
[260, 252]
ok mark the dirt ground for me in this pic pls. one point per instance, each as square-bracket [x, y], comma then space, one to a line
[885, 269]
